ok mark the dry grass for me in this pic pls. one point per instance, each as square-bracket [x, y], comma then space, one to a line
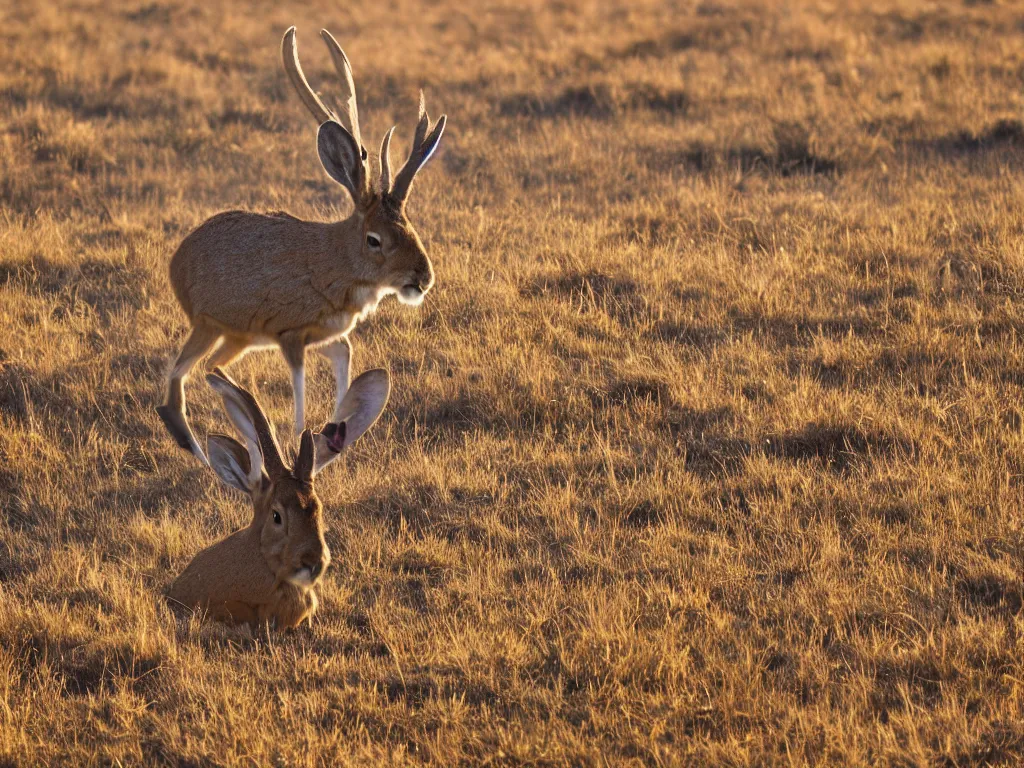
[707, 448]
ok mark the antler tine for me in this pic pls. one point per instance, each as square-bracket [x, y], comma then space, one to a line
[423, 122]
[423, 146]
[385, 162]
[272, 461]
[290, 57]
[348, 99]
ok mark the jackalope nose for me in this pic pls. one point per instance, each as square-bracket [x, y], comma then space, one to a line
[425, 277]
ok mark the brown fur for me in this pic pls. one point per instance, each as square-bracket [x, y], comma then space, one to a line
[258, 276]
[267, 572]
[243, 578]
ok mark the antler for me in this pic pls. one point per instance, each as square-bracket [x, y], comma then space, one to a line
[423, 147]
[385, 162]
[349, 93]
[290, 56]
[234, 395]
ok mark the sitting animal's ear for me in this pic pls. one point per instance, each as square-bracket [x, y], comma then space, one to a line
[252, 424]
[230, 460]
[303, 467]
[342, 158]
[362, 406]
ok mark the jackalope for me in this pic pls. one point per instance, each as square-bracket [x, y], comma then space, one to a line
[249, 280]
[267, 572]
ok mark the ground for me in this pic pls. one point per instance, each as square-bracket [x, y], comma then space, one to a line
[707, 447]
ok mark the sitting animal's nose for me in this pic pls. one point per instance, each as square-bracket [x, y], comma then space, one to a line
[315, 566]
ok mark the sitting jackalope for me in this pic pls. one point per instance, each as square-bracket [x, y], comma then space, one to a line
[247, 280]
[267, 572]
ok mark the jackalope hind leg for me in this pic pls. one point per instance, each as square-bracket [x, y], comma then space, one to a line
[172, 412]
[228, 351]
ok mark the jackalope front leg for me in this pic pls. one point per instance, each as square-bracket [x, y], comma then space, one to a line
[339, 352]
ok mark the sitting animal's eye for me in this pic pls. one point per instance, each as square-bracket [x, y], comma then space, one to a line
[373, 240]
[277, 517]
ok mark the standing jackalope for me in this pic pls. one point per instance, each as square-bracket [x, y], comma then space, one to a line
[267, 571]
[247, 280]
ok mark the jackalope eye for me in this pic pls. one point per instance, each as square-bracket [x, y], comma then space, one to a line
[373, 239]
[277, 517]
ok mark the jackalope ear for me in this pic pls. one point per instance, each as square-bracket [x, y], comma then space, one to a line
[231, 461]
[362, 406]
[342, 158]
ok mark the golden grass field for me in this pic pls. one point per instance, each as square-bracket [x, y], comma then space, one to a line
[707, 448]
